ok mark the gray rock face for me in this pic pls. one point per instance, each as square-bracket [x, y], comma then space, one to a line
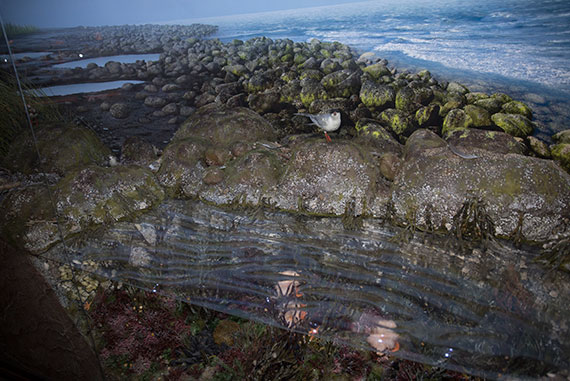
[324, 178]
[519, 194]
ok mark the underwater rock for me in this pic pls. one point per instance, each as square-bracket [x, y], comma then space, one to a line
[519, 195]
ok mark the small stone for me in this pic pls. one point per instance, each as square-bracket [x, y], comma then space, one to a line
[239, 149]
[213, 176]
[217, 156]
[170, 87]
[119, 111]
[390, 165]
[170, 109]
[105, 106]
[152, 101]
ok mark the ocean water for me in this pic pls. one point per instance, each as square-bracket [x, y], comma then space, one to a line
[520, 47]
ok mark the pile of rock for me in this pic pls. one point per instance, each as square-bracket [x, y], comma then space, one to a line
[411, 149]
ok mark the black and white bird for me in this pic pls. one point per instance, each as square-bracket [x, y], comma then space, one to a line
[326, 121]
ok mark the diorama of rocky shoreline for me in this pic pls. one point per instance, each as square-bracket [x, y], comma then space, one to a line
[234, 137]
[216, 122]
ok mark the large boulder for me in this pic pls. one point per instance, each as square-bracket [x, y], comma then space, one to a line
[519, 195]
[224, 126]
[247, 179]
[83, 199]
[331, 179]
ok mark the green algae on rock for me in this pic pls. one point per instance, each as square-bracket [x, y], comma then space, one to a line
[83, 199]
[520, 193]
[513, 124]
[224, 126]
[561, 153]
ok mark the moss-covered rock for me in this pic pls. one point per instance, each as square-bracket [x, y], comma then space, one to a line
[377, 70]
[450, 105]
[401, 123]
[539, 147]
[516, 107]
[454, 87]
[479, 116]
[492, 105]
[181, 170]
[83, 199]
[62, 149]
[373, 134]
[342, 83]
[268, 101]
[311, 91]
[248, 179]
[492, 141]
[562, 136]
[513, 124]
[502, 97]
[224, 126]
[377, 96]
[456, 119]
[561, 153]
[258, 82]
[475, 96]
[406, 100]
[428, 116]
[518, 194]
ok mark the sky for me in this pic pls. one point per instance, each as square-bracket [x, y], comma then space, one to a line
[69, 13]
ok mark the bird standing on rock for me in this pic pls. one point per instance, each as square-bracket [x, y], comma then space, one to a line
[327, 121]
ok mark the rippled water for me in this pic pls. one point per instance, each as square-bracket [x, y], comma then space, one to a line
[487, 310]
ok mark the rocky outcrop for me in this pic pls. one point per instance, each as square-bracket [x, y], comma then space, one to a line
[511, 193]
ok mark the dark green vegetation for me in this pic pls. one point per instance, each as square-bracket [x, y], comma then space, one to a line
[13, 116]
[15, 29]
